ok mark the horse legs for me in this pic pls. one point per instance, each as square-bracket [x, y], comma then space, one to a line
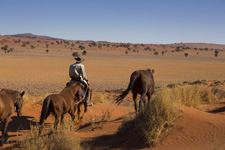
[78, 111]
[4, 131]
[142, 100]
[135, 100]
[62, 117]
[149, 97]
[42, 123]
[85, 109]
[56, 121]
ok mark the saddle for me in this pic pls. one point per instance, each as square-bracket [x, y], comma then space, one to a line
[83, 86]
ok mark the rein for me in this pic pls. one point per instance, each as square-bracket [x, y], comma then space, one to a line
[83, 97]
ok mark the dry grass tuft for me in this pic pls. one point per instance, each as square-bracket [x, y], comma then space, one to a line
[219, 91]
[63, 140]
[196, 95]
[99, 123]
[27, 98]
[158, 114]
[98, 98]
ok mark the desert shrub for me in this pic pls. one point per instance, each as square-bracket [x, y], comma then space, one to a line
[196, 95]
[156, 53]
[81, 47]
[75, 54]
[84, 52]
[98, 98]
[63, 141]
[157, 115]
[185, 54]
[216, 53]
[219, 92]
[47, 50]
[32, 46]
[27, 98]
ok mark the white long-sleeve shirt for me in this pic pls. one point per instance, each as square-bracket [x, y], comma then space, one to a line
[77, 70]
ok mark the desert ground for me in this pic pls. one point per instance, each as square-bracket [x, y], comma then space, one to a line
[39, 73]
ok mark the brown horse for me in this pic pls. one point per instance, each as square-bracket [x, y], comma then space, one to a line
[141, 82]
[10, 101]
[60, 104]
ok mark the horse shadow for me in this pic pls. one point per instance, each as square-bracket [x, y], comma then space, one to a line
[218, 110]
[18, 124]
[113, 141]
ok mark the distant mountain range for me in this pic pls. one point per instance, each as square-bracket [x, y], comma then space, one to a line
[32, 36]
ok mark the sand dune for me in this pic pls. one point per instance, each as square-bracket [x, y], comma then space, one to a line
[196, 130]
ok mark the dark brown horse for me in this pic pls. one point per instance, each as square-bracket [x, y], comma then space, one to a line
[10, 101]
[141, 82]
[60, 104]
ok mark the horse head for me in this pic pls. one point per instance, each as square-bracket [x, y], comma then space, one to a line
[19, 103]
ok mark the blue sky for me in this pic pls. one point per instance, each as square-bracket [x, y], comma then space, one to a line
[134, 21]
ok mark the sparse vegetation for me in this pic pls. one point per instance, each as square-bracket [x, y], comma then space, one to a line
[63, 141]
[98, 98]
[216, 53]
[81, 47]
[75, 54]
[156, 53]
[84, 52]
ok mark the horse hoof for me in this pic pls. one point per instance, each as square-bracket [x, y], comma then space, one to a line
[6, 142]
[90, 104]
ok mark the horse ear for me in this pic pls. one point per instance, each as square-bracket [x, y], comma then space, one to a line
[22, 93]
[153, 71]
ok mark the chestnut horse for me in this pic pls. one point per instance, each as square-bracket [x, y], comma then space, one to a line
[141, 82]
[10, 101]
[60, 104]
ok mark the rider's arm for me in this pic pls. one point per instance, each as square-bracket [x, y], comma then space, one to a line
[83, 72]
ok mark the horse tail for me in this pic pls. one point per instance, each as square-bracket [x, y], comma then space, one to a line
[45, 109]
[133, 78]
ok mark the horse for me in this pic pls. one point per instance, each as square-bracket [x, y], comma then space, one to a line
[141, 82]
[59, 104]
[86, 102]
[10, 101]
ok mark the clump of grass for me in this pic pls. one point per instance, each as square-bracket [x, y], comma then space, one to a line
[157, 115]
[63, 140]
[99, 123]
[196, 95]
[219, 91]
[27, 98]
[98, 98]
[32, 141]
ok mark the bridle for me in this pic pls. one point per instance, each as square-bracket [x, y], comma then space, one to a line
[16, 104]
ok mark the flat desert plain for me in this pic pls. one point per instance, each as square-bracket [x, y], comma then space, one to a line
[39, 73]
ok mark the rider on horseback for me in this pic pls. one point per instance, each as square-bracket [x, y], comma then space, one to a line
[77, 74]
[77, 71]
